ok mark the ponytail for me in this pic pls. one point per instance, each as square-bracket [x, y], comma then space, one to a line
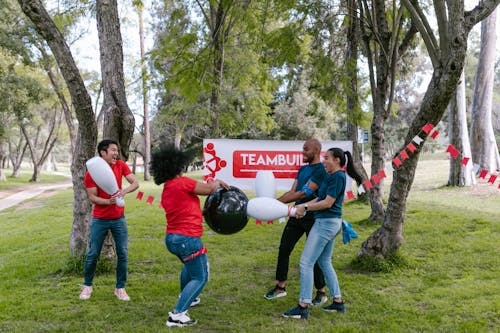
[351, 171]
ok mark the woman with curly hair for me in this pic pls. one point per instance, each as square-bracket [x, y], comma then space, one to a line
[184, 226]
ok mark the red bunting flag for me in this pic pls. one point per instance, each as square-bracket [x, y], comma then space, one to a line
[411, 147]
[492, 179]
[427, 128]
[454, 152]
[367, 184]
[434, 134]
[465, 160]
[270, 222]
[483, 173]
[150, 200]
[375, 179]
[382, 174]
[258, 222]
[139, 195]
[397, 162]
[350, 195]
[450, 148]
[404, 154]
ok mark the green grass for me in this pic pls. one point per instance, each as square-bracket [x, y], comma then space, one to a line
[447, 279]
[24, 178]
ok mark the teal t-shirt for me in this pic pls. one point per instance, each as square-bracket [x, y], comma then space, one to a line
[310, 172]
[334, 186]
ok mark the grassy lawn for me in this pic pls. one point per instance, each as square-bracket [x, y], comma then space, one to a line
[451, 284]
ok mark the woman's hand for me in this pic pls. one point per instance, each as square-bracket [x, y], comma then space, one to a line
[300, 211]
[220, 183]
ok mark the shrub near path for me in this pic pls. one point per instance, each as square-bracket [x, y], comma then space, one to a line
[449, 282]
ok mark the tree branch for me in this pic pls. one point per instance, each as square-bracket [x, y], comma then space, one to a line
[479, 13]
[425, 31]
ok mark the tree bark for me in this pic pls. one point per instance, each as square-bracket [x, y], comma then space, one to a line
[484, 146]
[147, 131]
[448, 60]
[460, 175]
[87, 132]
[352, 98]
[118, 118]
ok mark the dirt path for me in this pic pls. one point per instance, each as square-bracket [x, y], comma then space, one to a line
[16, 196]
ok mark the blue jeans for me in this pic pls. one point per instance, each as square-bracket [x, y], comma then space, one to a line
[98, 231]
[194, 274]
[319, 247]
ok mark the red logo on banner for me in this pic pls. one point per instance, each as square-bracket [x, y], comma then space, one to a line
[284, 164]
[213, 163]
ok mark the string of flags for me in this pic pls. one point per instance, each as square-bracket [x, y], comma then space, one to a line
[397, 161]
[410, 148]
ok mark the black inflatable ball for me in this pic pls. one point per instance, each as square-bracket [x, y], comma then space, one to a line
[225, 211]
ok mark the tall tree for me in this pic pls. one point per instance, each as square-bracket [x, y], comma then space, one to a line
[351, 86]
[43, 137]
[448, 56]
[460, 175]
[87, 129]
[139, 5]
[119, 120]
[484, 146]
[386, 35]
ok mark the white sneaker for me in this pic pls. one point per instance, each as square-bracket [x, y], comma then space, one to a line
[196, 301]
[86, 292]
[121, 294]
[180, 319]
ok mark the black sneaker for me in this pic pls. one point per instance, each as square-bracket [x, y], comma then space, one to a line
[335, 307]
[297, 312]
[320, 298]
[179, 319]
[276, 292]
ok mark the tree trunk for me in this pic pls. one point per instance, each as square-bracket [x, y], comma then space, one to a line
[118, 118]
[218, 17]
[87, 132]
[448, 59]
[147, 132]
[351, 88]
[460, 175]
[484, 146]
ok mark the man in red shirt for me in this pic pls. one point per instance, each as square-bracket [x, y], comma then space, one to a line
[107, 216]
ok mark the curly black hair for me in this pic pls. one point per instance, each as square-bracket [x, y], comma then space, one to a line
[168, 162]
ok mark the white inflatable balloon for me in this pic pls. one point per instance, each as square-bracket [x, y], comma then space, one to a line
[101, 173]
[267, 209]
[265, 184]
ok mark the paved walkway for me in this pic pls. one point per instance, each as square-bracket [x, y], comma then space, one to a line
[32, 192]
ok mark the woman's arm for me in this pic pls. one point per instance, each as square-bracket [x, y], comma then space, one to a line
[209, 188]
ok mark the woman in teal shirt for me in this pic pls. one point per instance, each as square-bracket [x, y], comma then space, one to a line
[327, 208]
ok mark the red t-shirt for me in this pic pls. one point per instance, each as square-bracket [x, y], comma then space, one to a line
[182, 207]
[108, 212]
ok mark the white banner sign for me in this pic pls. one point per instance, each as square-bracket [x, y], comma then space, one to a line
[237, 161]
